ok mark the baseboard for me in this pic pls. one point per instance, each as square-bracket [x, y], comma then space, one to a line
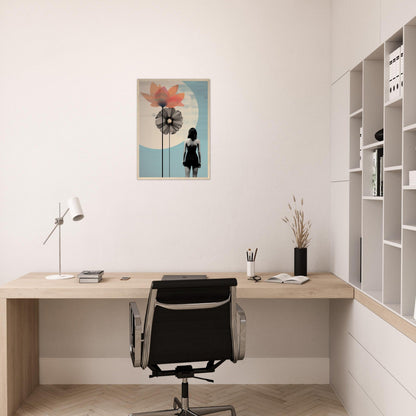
[249, 371]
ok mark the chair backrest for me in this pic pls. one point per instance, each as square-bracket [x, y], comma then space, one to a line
[190, 321]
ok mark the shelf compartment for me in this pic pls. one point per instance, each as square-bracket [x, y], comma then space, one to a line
[395, 307]
[390, 46]
[368, 155]
[372, 146]
[409, 208]
[409, 42]
[355, 125]
[409, 272]
[373, 95]
[392, 206]
[375, 294]
[372, 247]
[392, 275]
[393, 168]
[355, 233]
[356, 89]
[393, 136]
[409, 155]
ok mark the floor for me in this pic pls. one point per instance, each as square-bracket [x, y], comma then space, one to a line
[120, 400]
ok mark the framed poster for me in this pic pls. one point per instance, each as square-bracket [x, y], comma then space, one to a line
[173, 139]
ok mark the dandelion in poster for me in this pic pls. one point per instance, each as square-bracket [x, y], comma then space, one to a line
[167, 110]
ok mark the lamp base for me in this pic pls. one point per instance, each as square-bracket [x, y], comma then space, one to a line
[59, 276]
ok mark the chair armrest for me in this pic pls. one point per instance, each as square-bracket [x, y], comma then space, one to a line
[241, 332]
[135, 329]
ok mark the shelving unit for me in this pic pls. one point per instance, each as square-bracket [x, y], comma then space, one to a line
[384, 227]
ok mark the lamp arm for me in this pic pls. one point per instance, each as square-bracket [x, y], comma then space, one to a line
[58, 221]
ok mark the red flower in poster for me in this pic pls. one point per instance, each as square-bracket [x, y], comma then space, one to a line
[161, 96]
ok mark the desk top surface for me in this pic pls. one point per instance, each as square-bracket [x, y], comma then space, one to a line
[35, 286]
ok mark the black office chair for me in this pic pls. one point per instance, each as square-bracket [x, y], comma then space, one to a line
[188, 321]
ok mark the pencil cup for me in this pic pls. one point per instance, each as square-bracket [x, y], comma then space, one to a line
[251, 270]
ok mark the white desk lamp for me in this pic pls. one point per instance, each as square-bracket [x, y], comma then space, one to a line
[75, 210]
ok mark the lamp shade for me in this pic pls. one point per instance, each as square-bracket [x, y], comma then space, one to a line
[75, 209]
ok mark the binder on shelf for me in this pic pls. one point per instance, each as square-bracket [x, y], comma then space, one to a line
[397, 72]
[377, 166]
[374, 173]
[401, 70]
[380, 171]
[394, 74]
[391, 75]
[392, 68]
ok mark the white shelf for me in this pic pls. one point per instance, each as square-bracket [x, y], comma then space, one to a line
[386, 224]
[393, 243]
[373, 198]
[375, 145]
[357, 114]
[411, 127]
[397, 102]
[393, 168]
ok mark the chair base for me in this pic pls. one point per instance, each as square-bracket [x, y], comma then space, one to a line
[180, 410]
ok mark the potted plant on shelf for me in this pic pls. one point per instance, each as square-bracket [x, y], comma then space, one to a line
[301, 235]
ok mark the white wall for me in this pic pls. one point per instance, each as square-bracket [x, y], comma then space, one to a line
[68, 127]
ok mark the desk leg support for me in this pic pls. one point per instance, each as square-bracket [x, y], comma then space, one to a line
[19, 352]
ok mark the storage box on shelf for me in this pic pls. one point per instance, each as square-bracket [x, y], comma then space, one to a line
[386, 221]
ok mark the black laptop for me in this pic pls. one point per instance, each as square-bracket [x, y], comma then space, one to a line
[184, 276]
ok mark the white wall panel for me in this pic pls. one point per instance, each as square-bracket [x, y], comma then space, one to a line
[339, 221]
[355, 32]
[375, 380]
[380, 360]
[369, 329]
[394, 14]
[352, 395]
[340, 147]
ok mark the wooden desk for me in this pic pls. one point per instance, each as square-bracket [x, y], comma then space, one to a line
[19, 315]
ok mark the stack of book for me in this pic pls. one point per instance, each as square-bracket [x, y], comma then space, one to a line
[90, 276]
[396, 73]
[377, 169]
